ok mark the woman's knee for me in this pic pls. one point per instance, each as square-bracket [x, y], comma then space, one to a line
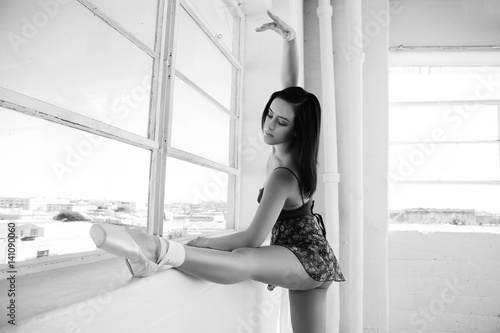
[242, 257]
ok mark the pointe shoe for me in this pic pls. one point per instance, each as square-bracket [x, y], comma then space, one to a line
[117, 240]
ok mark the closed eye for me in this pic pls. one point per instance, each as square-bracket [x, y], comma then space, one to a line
[270, 115]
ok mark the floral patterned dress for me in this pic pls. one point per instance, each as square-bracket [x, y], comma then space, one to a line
[303, 232]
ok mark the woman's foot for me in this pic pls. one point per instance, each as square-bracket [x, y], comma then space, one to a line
[149, 245]
[144, 253]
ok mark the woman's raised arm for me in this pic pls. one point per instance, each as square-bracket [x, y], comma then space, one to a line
[290, 58]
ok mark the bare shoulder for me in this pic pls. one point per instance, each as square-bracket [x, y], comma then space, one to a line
[282, 178]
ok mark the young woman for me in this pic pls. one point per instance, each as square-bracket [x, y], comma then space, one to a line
[299, 257]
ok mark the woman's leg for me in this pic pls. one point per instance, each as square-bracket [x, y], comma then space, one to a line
[308, 309]
[274, 265]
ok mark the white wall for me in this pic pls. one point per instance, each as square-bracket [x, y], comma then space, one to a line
[444, 279]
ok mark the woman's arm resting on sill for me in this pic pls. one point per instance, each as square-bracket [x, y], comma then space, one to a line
[224, 243]
[278, 187]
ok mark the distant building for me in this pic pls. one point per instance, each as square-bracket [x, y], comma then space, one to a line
[24, 231]
[55, 207]
[28, 231]
[19, 203]
[48, 204]
[127, 204]
[435, 216]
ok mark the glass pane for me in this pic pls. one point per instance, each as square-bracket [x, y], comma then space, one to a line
[202, 62]
[443, 83]
[443, 123]
[66, 56]
[198, 125]
[430, 161]
[138, 17]
[219, 19]
[57, 181]
[445, 203]
[195, 199]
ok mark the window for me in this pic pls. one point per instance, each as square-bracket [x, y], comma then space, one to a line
[444, 145]
[123, 114]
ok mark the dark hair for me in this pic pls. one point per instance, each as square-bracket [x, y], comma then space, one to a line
[307, 130]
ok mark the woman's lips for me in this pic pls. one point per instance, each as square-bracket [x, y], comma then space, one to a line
[268, 134]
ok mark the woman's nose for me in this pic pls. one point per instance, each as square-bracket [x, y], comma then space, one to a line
[271, 125]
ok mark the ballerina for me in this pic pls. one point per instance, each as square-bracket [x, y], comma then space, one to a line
[299, 257]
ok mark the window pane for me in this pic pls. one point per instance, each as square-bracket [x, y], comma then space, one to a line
[198, 125]
[138, 17]
[72, 59]
[50, 170]
[202, 62]
[443, 123]
[444, 203]
[195, 199]
[219, 18]
[429, 161]
[443, 83]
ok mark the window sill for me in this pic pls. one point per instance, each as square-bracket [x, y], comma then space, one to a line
[55, 299]
[102, 296]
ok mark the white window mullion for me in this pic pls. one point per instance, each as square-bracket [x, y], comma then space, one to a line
[455, 182]
[443, 103]
[498, 118]
[155, 102]
[233, 208]
[415, 142]
[162, 132]
[155, 77]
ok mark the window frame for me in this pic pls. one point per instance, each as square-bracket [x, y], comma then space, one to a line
[446, 59]
[157, 141]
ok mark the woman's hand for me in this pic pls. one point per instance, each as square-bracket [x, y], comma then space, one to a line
[199, 242]
[279, 26]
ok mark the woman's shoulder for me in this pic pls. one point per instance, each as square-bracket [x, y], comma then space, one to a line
[284, 175]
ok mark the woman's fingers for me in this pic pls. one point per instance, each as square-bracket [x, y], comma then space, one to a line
[279, 26]
[192, 242]
[276, 19]
[197, 242]
[267, 26]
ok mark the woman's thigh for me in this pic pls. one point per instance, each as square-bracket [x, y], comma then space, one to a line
[278, 266]
[308, 309]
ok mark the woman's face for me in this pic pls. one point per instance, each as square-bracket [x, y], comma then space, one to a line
[280, 123]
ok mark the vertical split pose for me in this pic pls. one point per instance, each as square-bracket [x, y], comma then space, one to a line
[299, 257]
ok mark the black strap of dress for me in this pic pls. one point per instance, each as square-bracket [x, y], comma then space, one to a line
[318, 217]
[298, 181]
